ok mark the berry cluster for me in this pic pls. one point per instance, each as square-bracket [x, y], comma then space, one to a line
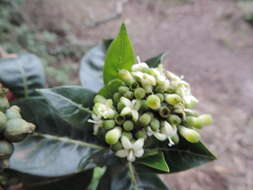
[152, 104]
[12, 127]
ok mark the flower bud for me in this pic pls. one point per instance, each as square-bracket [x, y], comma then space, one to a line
[140, 67]
[108, 124]
[3, 120]
[174, 119]
[17, 129]
[145, 119]
[103, 110]
[189, 134]
[120, 106]
[123, 89]
[6, 149]
[128, 125]
[112, 136]
[117, 146]
[205, 119]
[175, 139]
[190, 112]
[164, 112]
[13, 112]
[161, 96]
[173, 99]
[129, 95]
[116, 97]
[139, 93]
[155, 124]
[127, 135]
[153, 102]
[99, 99]
[141, 134]
[126, 76]
[4, 103]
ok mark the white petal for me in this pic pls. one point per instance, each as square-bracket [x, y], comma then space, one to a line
[160, 136]
[122, 153]
[135, 115]
[126, 143]
[126, 111]
[125, 101]
[168, 129]
[131, 156]
[139, 153]
[138, 144]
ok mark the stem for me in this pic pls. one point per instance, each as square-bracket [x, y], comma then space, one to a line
[64, 139]
[132, 175]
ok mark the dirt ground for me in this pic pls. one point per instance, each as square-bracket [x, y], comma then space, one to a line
[209, 43]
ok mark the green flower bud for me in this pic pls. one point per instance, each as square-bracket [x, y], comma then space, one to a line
[173, 99]
[192, 121]
[174, 119]
[128, 125]
[4, 103]
[145, 119]
[190, 112]
[189, 134]
[17, 129]
[13, 112]
[159, 89]
[153, 102]
[164, 111]
[129, 95]
[129, 135]
[6, 149]
[144, 106]
[141, 134]
[205, 119]
[179, 109]
[3, 120]
[139, 93]
[117, 146]
[175, 139]
[116, 97]
[108, 124]
[119, 119]
[112, 136]
[126, 76]
[161, 96]
[155, 124]
[123, 89]
[99, 99]
[120, 106]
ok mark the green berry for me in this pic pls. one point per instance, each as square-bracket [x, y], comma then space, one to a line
[13, 112]
[3, 121]
[117, 146]
[108, 124]
[141, 134]
[173, 99]
[174, 119]
[116, 97]
[139, 93]
[123, 90]
[128, 125]
[164, 111]
[153, 102]
[155, 124]
[112, 136]
[6, 149]
[189, 134]
[129, 135]
[145, 119]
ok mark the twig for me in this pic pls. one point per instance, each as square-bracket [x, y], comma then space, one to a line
[119, 10]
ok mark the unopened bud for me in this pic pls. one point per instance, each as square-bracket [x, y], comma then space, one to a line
[120, 106]
[164, 111]
[153, 102]
[205, 119]
[139, 93]
[108, 124]
[112, 136]
[189, 134]
[116, 97]
[190, 112]
[155, 124]
[6, 149]
[141, 134]
[175, 139]
[4, 103]
[126, 76]
[173, 99]
[99, 99]
[128, 125]
[145, 119]
[161, 96]
[3, 120]
[117, 146]
[127, 135]
[174, 119]
[13, 112]
[129, 95]
[123, 89]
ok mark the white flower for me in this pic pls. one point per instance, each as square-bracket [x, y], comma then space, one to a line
[147, 80]
[158, 135]
[161, 79]
[130, 108]
[97, 121]
[187, 97]
[104, 110]
[131, 150]
[169, 131]
[140, 66]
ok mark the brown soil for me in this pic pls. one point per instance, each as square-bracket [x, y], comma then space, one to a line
[209, 43]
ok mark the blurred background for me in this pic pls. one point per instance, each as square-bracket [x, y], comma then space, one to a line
[210, 42]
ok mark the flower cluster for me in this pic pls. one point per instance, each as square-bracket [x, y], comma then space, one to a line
[153, 105]
[12, 127]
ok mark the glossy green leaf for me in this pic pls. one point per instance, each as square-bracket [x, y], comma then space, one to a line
[120, 55]
[111, 88]
[57, 148]
[72, 103]
[157, 162]
[91, 67]
[22, 75]
[123, 178]
[187, 155]
[155, 61]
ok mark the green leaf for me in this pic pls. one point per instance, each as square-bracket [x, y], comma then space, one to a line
[120, 55]
[92, 65]
[126, 178]
[187, 155]
[72, 103]
[157, 162]
[155, 61]
[22, 75]
[111, 88]
[57, 148]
